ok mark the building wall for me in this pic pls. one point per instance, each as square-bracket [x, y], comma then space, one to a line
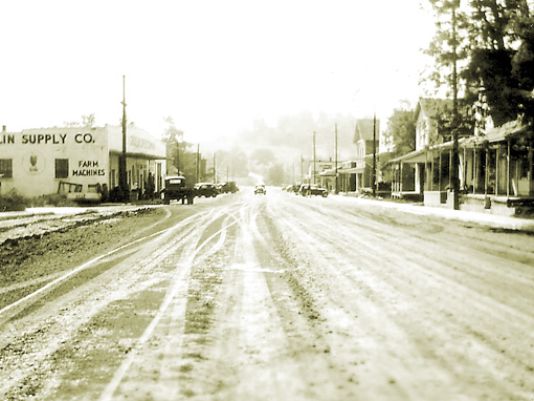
[86, 157]
[33, 154]
[422, 131]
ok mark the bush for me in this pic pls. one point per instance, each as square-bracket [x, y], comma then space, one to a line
[52, 200]
[12, 201]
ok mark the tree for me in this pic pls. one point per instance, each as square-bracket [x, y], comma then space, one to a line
[174, 144]
[493, 41]
[88, 120]
[401, 126]
[276, 174]
[450, 45]
[522, 67]
[263, 156]
[494, 34]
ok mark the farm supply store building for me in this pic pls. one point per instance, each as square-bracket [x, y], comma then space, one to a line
[43, 161]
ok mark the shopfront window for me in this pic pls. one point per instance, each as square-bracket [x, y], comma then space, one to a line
[6, 168]
[62, 168]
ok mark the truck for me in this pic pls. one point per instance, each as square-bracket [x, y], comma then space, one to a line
[176, 189]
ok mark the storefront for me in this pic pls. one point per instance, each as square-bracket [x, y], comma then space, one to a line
[44, 161]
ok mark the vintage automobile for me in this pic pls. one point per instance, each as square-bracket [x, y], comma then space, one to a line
[230, 187]
[206, 189]
[177, 189]
[309, 190]
[260, 189]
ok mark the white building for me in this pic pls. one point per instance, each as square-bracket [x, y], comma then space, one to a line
[76, 159]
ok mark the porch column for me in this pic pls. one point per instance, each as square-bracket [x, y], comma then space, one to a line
[497, 155]
[426, 170]
[450, 168]
[400, 181]
[432, 172]
[486, 174]
[508, 171]
[464, 183]
[475, 171]
[439, 171]
[530, 165]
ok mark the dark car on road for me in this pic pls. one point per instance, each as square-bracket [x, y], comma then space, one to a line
[176, 189]
[206, 189]
[230, 187]
[260, 189]
[309, 190]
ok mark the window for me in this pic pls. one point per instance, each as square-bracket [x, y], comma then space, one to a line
[6, 168]
[62, 168]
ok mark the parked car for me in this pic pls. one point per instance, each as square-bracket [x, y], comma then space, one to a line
[206, 189]
[260, 189]
[177, 189]
[294, 189]
[230, 186]
[309, 190]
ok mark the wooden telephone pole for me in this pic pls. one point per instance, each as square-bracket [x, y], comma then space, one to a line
[454, 167]
[214, 167]
[198, 163]
[123, 180]
[314, 161]
[373, 173]
[335, 160]
[177, 155]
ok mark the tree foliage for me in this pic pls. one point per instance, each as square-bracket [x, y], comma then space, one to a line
[276, 174]
[401, 126]
[494, 42]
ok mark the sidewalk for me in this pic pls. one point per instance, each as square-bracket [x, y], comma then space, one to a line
[484, 219]
[65, 211]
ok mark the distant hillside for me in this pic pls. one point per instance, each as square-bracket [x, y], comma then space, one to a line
[293, 135]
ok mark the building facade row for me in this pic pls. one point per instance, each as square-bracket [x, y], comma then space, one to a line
[78, 160]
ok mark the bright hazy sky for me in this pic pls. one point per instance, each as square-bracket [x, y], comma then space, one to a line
[214, 66]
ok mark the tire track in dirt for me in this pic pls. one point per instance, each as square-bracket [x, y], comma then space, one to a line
[328, 239]
[76, 308]
[512, 281]
[169, 324]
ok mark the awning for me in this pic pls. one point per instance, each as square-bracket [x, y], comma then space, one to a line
[416, 156]
[139, 155]
[505, 131]
[352, 170]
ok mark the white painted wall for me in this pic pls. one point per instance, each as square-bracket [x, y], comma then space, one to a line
[92, 154]
[33, 153]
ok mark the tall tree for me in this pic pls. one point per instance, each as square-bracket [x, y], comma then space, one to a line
[451, 44]
[401, 126]
[489, 36]
[88, 120]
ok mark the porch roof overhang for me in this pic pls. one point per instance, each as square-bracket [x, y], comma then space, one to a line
[510, 130]
[416, 156]
[139, 155]
[352, 170]
[506, 131]
[328, 173]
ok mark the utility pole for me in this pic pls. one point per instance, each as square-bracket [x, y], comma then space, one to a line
[215, 167]
[454, 168]
[227, 173]
[178, 155]
[373, 174]
[198, 163]
[123, 180]
[314, 161]
[335, 160]
[301, 169]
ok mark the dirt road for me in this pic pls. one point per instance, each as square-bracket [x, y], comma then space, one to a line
[281, 297]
